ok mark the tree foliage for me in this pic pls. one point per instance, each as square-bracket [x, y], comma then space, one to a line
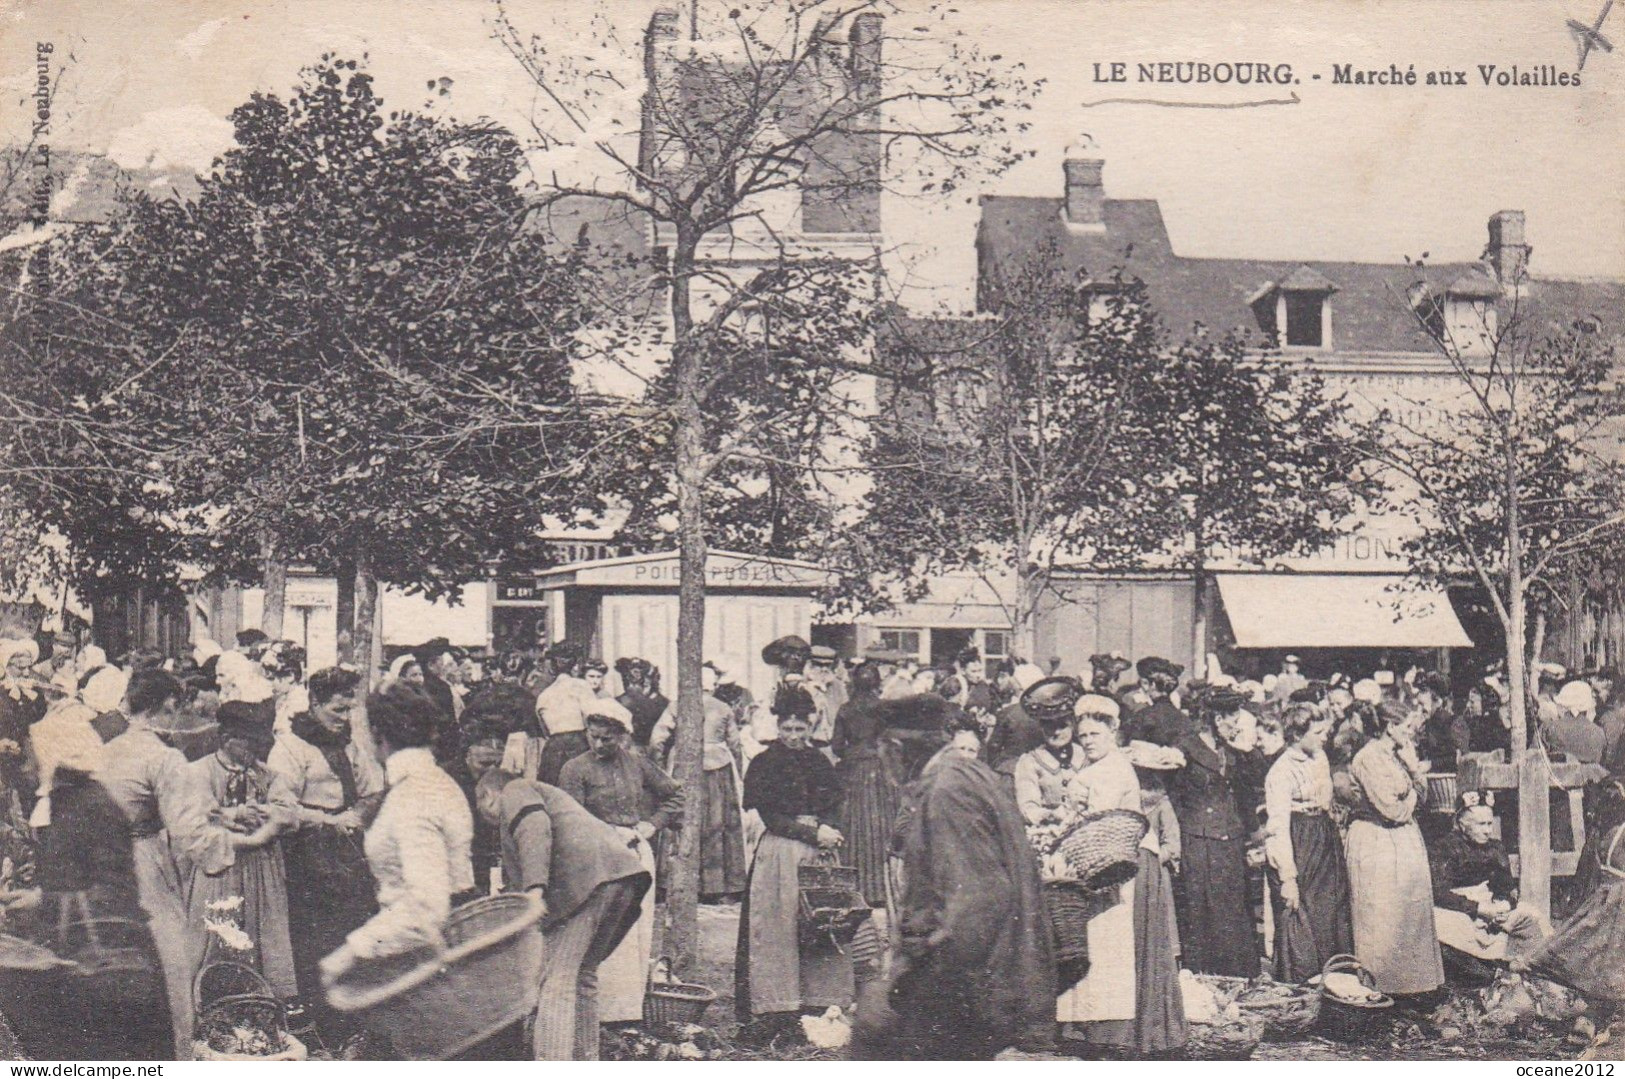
[351, 340]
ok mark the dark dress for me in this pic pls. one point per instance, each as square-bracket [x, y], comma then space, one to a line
[774, 971]
[87, 871]
[869, 798]
[974, 974]
[1215, 921]
[17, 715]
[330, 888]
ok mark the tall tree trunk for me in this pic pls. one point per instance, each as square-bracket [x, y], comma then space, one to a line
[1024, 627]
[365, 591]
[683, 890]
[275, 579]
[344, 610]
[1533, 769]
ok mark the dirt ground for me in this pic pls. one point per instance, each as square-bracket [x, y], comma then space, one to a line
[1401, 1036]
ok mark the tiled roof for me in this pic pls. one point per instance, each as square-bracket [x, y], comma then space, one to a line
[1370, 312]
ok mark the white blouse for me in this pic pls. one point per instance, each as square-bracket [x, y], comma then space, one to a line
[418, 850]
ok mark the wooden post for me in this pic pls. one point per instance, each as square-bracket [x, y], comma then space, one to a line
[275, 572]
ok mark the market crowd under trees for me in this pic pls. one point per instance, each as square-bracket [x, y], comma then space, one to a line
[363, 346]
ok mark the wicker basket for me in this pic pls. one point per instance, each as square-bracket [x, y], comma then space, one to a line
[831, 906]
[676, 1003]
[230, 996]
[1235, 1039]
[441, 1004]
[1103, 848]
[1351, 1020]
[1288, 1011]
[1069, 907]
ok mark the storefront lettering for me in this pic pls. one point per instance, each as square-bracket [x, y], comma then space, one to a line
[754, 573]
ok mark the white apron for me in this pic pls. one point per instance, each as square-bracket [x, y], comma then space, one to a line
[624, 976]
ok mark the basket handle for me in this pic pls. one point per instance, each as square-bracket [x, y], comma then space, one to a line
[254, 976]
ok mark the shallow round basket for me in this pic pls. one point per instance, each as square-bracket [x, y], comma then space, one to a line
[433, 1006]
[1352, 1020]
[1288, 1011]
[676, 1003]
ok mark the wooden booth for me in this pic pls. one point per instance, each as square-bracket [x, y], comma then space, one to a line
[620, 607]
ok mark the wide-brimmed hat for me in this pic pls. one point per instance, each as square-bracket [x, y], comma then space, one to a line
[1050, 701]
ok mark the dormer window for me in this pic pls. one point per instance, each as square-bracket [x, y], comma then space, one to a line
[1297, 311]
[1461, 316]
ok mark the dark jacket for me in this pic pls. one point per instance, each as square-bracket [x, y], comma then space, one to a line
[1161, 723]
[1015, 733]
[1458, 863]
[1204, 792]
[550, 842]
[975, 959]
[782, 784]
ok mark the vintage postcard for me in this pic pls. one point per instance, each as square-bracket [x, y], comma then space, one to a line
[812, 530]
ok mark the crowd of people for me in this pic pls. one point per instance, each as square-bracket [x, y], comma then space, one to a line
[231, 805]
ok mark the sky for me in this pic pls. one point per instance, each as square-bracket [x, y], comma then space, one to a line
[1368, 173]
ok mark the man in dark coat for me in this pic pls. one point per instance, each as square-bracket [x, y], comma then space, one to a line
[436, 658]
[974, 973]
[592, 888]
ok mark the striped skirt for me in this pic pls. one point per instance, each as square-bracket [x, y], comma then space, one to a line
[868, 812]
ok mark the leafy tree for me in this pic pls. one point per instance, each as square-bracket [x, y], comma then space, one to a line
[1262, 462]
[760, 106]
[1522, 491]
[1087, 439]
[1034, 431]
[354, 345]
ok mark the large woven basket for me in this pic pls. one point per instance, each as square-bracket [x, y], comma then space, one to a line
[434, 1006]
[1104, 848]
[1235, 1039]
[1067, 904]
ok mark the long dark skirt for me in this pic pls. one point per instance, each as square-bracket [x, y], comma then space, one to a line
[722, 842]
[1323, 926]
[560, 750]
[1215, 925]
[330, 893]
[1159, 1009]
[868, 811]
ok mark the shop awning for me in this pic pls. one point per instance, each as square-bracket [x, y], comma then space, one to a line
[1356, 610]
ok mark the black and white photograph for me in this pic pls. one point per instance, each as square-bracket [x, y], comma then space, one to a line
[812, 531]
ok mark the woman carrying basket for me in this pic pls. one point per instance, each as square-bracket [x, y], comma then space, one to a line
[794, 788]
[1130, 999]
[418, 846]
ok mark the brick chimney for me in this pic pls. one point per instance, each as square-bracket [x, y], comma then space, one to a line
[1507, 252]
[1085, 193]
[664, 29]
